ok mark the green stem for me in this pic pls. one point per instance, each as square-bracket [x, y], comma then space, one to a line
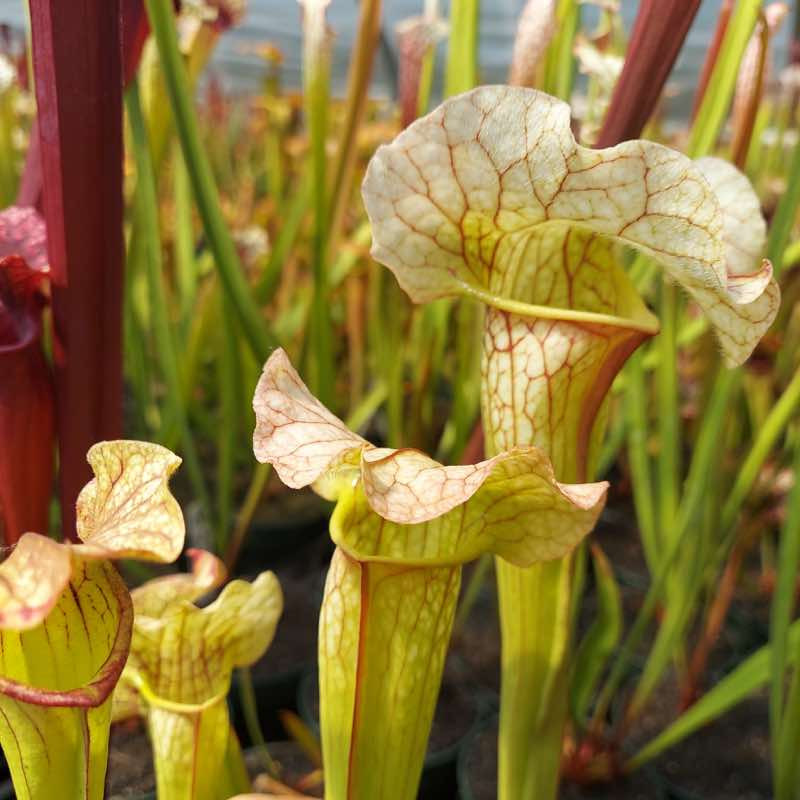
[669, 431]
[247, 697]
[228, 378]
[147, 203]
[160, 13]
[639, 458]
[779, 417]
[316, 78]
[781, 227]
[534, 620]
[461, 72]
[785, 724]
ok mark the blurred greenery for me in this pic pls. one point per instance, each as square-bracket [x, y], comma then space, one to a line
[245, 230]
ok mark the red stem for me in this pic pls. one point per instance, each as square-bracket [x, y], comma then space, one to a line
[30, 185]
[78, 73]
[744, 117]
[135, 30]
[26, 433]
[657, 37]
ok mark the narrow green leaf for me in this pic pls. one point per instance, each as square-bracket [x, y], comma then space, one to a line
[781, 228]
[719, 92]
[229, 377]
[360, 72]
[680, 601]
[316, 91]
[302, 734]
[784, 739]
[639, 458]
[669, 426]
[186, 267]
[702, 464]
[782, 412]
[466, 403]
[147, 204]
[160, 13]
[788, 774]
[601, 638]
[461, 72]
[560, 60]
[296, 211]
[247, 697]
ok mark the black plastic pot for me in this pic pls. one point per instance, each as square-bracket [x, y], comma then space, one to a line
[439, 778]
[284, 531]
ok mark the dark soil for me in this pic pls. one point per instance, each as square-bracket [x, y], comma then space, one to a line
[478, 770]
[291, 540]
[130, 762]
[293, 765]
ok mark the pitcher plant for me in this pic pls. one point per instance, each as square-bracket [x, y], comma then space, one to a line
[491, 197]
[403, 526]
[27, 412]
[66, 619]
[179, 672]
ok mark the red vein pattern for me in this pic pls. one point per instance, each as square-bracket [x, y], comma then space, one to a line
[27, 410]
[459, 196]
[66, 619]
[400, 506]
[490, 195]
[403, 525]
[55, 689]
[179, 670]
[384, 631]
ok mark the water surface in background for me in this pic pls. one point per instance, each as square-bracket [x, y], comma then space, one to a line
[278, 22]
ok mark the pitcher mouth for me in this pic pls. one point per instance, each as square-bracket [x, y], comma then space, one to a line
[102, 683]
[647, 325]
